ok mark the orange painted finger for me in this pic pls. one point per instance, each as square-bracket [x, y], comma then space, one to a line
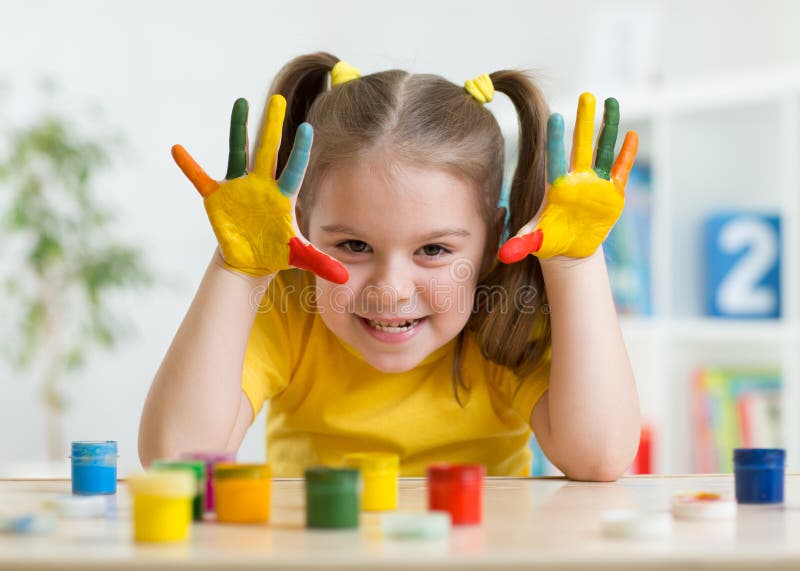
[267, 154]
[624, 162]
[204, 184]
[584, 133]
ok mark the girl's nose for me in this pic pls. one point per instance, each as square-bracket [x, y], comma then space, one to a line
[391, 281]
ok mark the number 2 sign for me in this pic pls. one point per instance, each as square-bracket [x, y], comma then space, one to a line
[743, 265]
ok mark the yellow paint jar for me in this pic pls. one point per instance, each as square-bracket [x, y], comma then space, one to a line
[242, 492]
[379, 474]
[162, 505]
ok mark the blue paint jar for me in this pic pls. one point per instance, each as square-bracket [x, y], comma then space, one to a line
[759, 475]
[94, 467]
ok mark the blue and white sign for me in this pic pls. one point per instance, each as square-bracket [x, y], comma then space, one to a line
[743, 252]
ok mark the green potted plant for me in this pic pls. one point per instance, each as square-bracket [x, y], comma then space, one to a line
[63, 260]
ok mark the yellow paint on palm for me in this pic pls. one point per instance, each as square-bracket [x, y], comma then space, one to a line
[251, 217]
[253, 224]
[581, 209]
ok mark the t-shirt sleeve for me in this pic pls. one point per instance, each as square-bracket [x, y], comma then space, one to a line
[531, 390]
[524, 393]
[269, 355]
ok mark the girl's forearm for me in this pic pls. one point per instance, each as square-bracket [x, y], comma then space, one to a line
[195, 397]
[593, 402]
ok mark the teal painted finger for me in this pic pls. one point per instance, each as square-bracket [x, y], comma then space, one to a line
[607, 139]
[556, 159]
[292, 175]
[237, 142]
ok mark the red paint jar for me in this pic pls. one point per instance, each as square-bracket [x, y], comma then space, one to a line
[457, 489]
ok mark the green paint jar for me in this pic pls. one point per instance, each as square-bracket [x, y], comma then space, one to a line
[332, 498]
[198, 470]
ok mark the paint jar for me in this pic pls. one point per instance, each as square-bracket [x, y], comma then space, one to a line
[242, 492]
[197, 468]
[758, 474]
[162, 504]
[457, 489]
[379, 474]
[211, 459]
[94, 467]
[332, 498]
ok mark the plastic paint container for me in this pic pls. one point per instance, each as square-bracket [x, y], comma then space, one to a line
[379, 474]
[332, 498]
[457, 489]
[211, 459]
[242, 492]
[702, 505]
[162, 504]
[197, 468]
[427, 525]
[94, 467]
[759, 475]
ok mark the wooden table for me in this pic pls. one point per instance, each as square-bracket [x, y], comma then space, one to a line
[547, 523]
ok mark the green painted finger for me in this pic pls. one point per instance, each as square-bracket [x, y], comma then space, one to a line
[556, 161]
[292, 175]
[607, 139]
[237, 142]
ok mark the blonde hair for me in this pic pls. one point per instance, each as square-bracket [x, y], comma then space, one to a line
[429, 121]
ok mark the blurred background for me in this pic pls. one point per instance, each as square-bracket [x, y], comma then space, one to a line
[104, 241]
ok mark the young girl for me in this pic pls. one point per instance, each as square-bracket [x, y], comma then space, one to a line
[411, 338]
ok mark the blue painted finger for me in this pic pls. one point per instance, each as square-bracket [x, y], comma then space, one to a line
[292, 175]
[556, 160]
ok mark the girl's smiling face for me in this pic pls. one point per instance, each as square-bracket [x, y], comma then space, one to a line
[412, 239]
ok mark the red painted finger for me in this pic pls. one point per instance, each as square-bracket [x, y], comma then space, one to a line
[307, 257]
[204, 184]
[520, 246]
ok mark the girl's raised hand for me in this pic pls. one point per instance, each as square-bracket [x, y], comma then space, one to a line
[252, 214]
[580, 206]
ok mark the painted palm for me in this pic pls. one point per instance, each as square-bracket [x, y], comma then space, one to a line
[582, 205]
[252, 213]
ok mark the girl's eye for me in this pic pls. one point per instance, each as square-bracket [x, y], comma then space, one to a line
[434, 250]
[353, 246]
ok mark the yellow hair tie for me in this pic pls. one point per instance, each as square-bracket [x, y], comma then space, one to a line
[480, 88]
[343, 72]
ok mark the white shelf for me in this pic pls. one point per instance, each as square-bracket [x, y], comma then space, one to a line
[712, 144]
[711, 329]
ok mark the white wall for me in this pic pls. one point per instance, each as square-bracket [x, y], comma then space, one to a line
[168, 71]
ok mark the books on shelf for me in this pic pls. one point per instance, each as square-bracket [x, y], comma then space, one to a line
[627, 248]
[732, 408]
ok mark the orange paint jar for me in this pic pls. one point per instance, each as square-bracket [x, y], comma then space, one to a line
[242, 492]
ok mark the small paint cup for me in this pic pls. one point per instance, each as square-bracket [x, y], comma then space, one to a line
[379, 474]
[457, 489]
[242, 492]
[94, 467]
[162, 504]
[211, 459]
[759, 474]
[197, 468]
[332, 498]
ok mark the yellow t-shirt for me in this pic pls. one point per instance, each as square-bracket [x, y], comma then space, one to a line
[326, 401]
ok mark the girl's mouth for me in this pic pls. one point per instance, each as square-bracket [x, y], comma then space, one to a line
[392, 331]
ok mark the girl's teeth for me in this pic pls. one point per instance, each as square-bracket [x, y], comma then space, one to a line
[398, 328]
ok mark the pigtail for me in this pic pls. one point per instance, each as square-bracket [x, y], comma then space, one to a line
[517, 335]
[300, 82]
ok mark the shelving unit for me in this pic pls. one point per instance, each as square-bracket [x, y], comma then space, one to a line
[713, 144]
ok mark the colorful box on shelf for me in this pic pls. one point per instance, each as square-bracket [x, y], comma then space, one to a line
[742, 261]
